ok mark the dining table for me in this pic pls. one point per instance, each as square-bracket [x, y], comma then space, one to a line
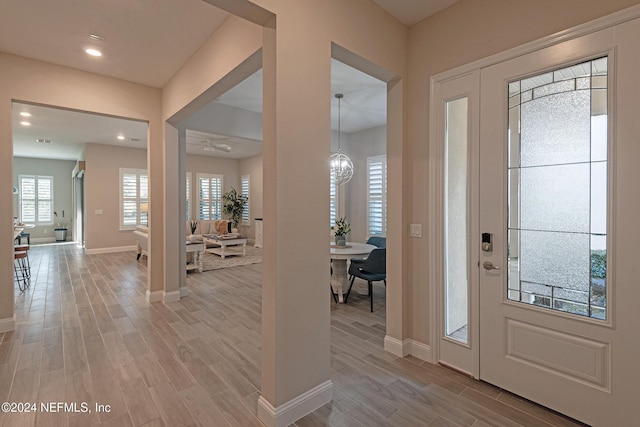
[19, 228]
[339, 256]
[16, 231]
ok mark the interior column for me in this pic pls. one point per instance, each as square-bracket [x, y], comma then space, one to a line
[295, 296]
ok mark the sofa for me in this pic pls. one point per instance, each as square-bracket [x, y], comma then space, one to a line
[209, 228]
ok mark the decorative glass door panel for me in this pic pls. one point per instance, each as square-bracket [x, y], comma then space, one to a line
[557, 189]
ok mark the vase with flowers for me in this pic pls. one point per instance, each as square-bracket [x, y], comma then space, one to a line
[340, 230]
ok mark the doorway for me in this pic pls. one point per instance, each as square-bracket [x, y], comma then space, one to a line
[534, 237]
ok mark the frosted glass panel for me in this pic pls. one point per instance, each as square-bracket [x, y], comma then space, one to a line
[599, 138]
[514, 137]
[456, 219]
[557, 190]
[556, 129]
[599, 198]
[553, 88]
[555, 198]
[555, 259]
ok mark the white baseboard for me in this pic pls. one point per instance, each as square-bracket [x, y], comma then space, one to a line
[8, 324]
[42, 240]
[110, 250]
[395, 346]
[420, 350]
[296, 408]
[408, 347]
[183, 291]
[154, 296]
[172, 296]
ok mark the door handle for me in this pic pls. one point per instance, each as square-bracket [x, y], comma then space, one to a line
[488, 265]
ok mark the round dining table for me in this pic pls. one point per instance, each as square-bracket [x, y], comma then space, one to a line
[339, 256]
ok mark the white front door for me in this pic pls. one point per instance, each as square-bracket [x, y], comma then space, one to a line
[560, 199]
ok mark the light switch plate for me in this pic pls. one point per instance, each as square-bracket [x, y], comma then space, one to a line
[99, 212]
[415, 230]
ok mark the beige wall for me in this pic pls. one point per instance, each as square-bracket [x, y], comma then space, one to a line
[38, 82]
[467, 31]
[103, 163]
[252, 166]
[295, 312]
[60, 170]
[102, 193]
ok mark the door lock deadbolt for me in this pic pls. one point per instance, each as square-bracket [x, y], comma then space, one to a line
[487, 242]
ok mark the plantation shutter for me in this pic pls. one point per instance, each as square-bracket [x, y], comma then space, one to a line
[377, 195]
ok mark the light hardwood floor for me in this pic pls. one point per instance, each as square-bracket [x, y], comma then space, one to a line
[85, 334]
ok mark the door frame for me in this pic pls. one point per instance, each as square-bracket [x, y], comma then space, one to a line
[436, 166]
[461, 356]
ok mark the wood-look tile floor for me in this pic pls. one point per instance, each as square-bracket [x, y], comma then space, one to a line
[86, 334]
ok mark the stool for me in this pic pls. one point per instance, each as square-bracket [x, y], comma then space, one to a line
[24, 248]
[24, 234]
[21, 269]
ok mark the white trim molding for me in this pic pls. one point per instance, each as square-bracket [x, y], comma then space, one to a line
[395, 346]
[420, 350]
[296, 408]
[408, 347]
[154, 296]
[8, 324]
[183, 291]
[172, 296]
[110, 250]
[43, 240]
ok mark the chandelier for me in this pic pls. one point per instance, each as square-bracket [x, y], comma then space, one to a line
[341, 165]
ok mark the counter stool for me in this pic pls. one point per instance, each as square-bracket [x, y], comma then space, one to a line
[21, 269]
[24, 248]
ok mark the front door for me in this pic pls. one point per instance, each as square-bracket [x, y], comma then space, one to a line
[559, 200]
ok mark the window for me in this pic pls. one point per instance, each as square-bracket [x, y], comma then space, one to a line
[209, 196]
[134, 190]
[245, 192]
[377, 195]
[36, 199]
[558, 169]
[188, 196]
[333, 201]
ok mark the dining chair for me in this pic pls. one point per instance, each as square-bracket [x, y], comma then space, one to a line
[372, 269]
[377, 241]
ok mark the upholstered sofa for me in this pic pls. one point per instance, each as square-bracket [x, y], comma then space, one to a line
[207, 227]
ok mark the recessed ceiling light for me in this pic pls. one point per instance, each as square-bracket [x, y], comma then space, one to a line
[25, 123]
[120, 137]
[93, 52]
[25, 114]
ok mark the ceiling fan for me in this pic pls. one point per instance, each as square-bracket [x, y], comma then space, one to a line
[211, 146]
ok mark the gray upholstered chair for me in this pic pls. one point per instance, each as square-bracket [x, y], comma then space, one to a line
[377, 241]
[372, 269]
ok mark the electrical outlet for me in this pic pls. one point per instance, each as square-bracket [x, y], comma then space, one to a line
[99, 212]
[415, 230]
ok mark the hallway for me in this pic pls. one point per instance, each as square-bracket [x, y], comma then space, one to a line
[86, 334]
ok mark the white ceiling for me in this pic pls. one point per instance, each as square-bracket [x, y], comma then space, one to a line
[413, 11]
[147, 41]
[68, 131]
